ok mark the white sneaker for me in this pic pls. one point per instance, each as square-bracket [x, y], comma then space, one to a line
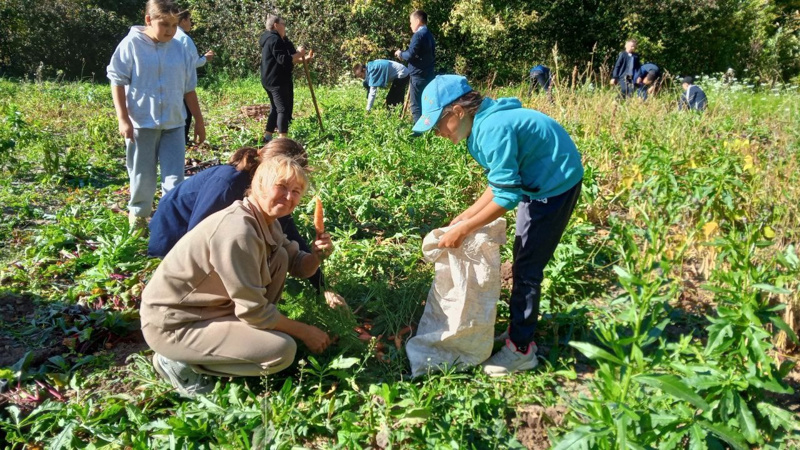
[136, 223]
[509, 360]
[185, 380]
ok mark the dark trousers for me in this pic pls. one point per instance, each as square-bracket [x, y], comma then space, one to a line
[188, 121]
[281, 100]
[626, 87]
[418, 83]
[540, 225]
[290, 229]
[397, 92]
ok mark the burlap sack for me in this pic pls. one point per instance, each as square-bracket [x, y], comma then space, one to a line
[457, 327]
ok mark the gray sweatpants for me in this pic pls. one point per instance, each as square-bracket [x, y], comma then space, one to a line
[148, 148]
[226, 346]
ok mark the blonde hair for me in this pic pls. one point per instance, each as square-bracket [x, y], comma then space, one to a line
[158, 9]
[276, 170]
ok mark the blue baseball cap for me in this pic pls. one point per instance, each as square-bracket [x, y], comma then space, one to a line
[443, 90]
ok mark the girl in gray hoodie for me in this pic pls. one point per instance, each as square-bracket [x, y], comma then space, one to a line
[151, 75]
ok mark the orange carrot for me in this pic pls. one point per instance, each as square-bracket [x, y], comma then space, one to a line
[319, 217]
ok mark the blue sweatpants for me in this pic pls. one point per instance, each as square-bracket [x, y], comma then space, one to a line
[540, 225]
[148, 148]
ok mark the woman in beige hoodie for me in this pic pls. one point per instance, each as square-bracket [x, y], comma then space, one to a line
[210, 307]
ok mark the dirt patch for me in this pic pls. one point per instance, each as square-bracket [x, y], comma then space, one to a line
[16, 312]
[532, 422]
[129, 345]
[506, 275]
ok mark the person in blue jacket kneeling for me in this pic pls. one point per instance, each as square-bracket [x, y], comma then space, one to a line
[532, 165]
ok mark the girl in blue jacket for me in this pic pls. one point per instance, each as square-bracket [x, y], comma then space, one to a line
[532, 165]
[151, 76]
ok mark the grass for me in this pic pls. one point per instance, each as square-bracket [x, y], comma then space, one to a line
[680, 214]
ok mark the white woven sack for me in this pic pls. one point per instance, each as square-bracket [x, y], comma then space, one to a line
[457, 327]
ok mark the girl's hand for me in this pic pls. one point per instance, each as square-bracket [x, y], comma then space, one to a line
[323, 246]
[301, 51]
[310, 55]
[454, 237]
[126, 128]
[199, 131]
[210, 55]
[335, 300]
[315, 339]
[461, 217]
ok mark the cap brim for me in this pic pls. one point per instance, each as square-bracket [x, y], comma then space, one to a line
[427, 121]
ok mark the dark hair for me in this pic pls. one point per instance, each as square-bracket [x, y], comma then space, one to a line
[421, 15]
[246, 159]
[185, 14]
[358, 68]
[471, 102]
[285, 147]
[158, 9]
[651, 75]
[688, 79]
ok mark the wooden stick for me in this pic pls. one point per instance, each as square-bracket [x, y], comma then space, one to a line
[313, 97]
[406, 102]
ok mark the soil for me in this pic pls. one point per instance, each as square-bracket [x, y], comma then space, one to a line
[506, 276]
[16, 311]
[532, 422]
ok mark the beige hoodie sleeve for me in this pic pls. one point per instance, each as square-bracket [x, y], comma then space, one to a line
[239, 256]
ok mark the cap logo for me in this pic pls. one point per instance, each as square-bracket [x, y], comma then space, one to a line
[427, 121]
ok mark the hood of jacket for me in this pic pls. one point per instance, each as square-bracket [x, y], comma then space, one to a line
[491, 106]
[266, 36]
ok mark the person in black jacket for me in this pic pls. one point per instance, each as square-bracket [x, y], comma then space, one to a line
[693, 98]
[626, 70]
[421, 57]
[278, 57]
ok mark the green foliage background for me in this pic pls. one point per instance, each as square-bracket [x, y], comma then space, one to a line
[478, 38]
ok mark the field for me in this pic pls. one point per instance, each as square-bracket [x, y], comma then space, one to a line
[667, 311]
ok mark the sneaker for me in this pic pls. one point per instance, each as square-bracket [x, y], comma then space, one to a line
[509, 360]
[136, 223]
[187, 382]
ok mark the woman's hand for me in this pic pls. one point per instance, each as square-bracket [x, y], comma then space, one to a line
[454, 237]
[322, 246]
[315, 339]
[335, 300]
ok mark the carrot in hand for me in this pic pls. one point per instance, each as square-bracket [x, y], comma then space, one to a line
[319, 217]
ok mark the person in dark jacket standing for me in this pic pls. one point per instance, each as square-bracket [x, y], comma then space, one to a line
[421, 57]
[278, 57]
[626, 70]
[693, 97]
